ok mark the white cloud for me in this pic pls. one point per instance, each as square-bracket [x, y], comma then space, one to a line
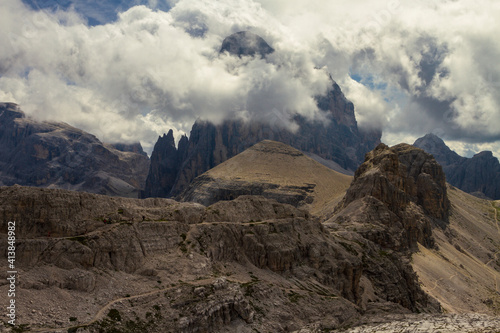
[424, 66]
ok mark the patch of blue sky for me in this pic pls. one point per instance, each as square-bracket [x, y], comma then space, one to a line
[96, 12]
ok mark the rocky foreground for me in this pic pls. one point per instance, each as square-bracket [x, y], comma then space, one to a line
[399, 250]
[473, 323]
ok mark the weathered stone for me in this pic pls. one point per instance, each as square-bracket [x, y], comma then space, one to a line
[402, 188]
[264, 169]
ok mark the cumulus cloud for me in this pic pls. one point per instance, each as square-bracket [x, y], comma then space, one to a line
[410, 68]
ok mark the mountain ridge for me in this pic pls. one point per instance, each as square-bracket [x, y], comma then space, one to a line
[255, 263]
[479, 175]
[57, 155]
[264, 169]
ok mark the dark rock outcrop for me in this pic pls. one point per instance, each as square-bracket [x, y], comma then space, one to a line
[245, 43]
[57, 155]
[402, 188]
[166, 161]
[479, 175]
[397, 197]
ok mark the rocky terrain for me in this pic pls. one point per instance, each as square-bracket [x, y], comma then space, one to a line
[273, 170]
[56, 155]
[479, 175]
[399, 249]
[245, 43]
[339, 141]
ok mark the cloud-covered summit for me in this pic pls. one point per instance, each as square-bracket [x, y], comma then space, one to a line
[409, 67]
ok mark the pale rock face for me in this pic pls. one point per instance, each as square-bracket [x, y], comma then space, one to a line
[265, 169]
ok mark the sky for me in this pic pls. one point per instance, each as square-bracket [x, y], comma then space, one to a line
[130, 70]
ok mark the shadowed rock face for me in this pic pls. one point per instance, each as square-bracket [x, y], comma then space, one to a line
[245, 43]
[403, 188]
[479, 175]
[57, 155]
[166, 162]
[339, 140]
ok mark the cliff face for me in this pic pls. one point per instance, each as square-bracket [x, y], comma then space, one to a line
[57, 155]
[402, 188]
[166, 161]
[209, 145]
[249, 261]
[479, 175]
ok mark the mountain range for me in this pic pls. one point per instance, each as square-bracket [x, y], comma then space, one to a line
[339, 141]
[398, 247]
[57, 155]
[479, 175]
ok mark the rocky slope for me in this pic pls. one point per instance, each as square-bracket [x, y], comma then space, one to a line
[395, 244]
[397, 197]
[340, 140]
[400, 189]
[463, 271]
[56, 155]
[479, 175]
[273, 170]
[250, 262]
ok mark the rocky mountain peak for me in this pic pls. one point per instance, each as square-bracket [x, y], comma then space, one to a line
[479, 175]
[484, 154]
[130, 148]
[245, 43]
[165, 163]
[434, 145]
[402, 174]
[10, 110]
[265, 169]
[405, 188]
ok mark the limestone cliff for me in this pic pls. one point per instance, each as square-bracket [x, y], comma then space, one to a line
[250, 261]
[402, 188]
